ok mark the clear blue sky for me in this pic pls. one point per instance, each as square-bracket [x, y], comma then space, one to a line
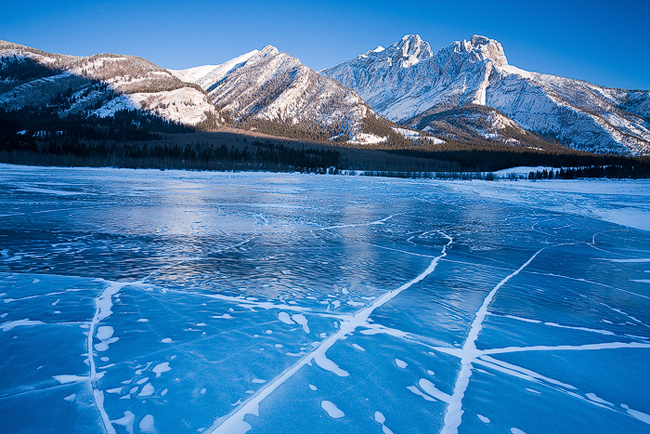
[602, 41]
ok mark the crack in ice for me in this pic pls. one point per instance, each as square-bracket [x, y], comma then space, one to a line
[469, 353]
[234, 423]
[103, 304]
[354, 225]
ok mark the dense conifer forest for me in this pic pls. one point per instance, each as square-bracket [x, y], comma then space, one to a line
[131, 138]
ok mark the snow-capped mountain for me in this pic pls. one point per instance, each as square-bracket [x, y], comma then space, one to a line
[101, 84]
[407, 79]
[263, 89]
[268, 85]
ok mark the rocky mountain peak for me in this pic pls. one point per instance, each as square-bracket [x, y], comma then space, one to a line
[412, 49]
[267, 51]
[479, 48]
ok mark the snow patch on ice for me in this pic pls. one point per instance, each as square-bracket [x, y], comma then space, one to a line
[126, 421]
[325, 363]
[433, 391]
[332, 410]
[146, 424]
[65, 379]
[418, 392]
[595, 398]
[285, 318]
[147, 390]
[300, 319]
[643, 417]
[402, 364]
[23, 322]
[160, 368]
[381, 419]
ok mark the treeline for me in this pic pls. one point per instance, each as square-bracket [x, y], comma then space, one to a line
[613, 171]
[464, 176]
[194, 156]
[43, 122]
[20, 68]
[279, 128]
[472, 159]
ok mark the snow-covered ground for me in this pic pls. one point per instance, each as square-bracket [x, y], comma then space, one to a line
[415, 135]
[182, 302]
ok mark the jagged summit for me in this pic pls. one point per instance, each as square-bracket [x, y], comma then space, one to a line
[411, 49]
[482, 49]
[269, 50]
[405, 81]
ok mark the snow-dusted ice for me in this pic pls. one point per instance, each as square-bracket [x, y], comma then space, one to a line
[184, 302]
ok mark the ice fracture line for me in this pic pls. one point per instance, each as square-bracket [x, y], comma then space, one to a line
[454, 414]
[234, 423]
[103, 304]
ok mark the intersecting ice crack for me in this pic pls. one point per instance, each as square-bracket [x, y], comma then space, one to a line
[103, 305]
[469, 355]
[453, 416]
[487, 358]
[234, 423]
[352, 225]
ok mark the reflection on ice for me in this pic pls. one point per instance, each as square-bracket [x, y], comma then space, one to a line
[144, 301]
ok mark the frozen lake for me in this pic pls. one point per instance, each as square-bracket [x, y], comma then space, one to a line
[179, 302]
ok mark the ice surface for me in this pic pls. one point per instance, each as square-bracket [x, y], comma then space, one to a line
[233, 302]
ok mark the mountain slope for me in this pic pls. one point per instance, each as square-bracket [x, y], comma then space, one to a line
[101, 85]
[407, 79]
[477, 124]
[268, 86]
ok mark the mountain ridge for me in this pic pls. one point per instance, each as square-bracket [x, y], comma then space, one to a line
[580, 114]
[129, 82]
[270, 91]
[261, 90]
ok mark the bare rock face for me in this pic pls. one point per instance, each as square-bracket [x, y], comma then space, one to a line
[405, 80]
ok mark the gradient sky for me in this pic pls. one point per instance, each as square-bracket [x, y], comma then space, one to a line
[602, 41]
